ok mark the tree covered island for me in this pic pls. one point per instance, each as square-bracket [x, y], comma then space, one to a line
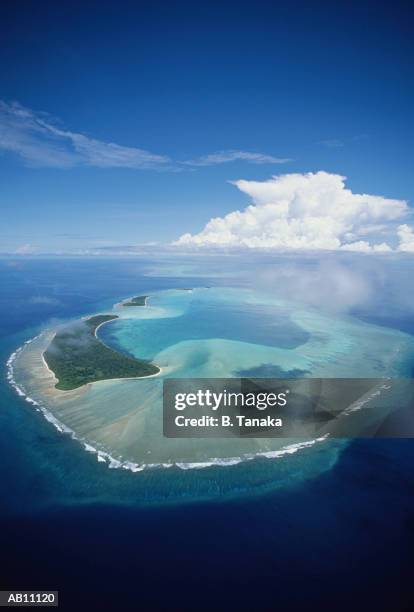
[139, 300]
[77, 357]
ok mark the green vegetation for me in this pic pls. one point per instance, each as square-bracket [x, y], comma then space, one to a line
[140, 300]
[77, 357]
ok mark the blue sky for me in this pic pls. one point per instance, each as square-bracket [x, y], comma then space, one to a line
[123, 123]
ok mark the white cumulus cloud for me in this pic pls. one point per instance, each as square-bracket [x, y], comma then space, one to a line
[406, 236]
[308, 211]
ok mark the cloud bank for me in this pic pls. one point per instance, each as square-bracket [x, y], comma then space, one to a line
[313, 211]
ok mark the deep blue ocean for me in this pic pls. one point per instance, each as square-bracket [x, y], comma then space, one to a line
[112, 540]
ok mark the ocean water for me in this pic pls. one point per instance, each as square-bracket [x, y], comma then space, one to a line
[293, 532]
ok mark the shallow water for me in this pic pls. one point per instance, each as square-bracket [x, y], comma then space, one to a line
[214, 332]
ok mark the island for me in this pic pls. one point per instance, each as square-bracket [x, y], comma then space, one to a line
[77, 356]
[139, 300]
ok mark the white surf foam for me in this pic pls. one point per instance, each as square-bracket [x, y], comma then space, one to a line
[365, 400]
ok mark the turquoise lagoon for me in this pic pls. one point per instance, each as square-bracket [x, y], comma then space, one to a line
[207, 332]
